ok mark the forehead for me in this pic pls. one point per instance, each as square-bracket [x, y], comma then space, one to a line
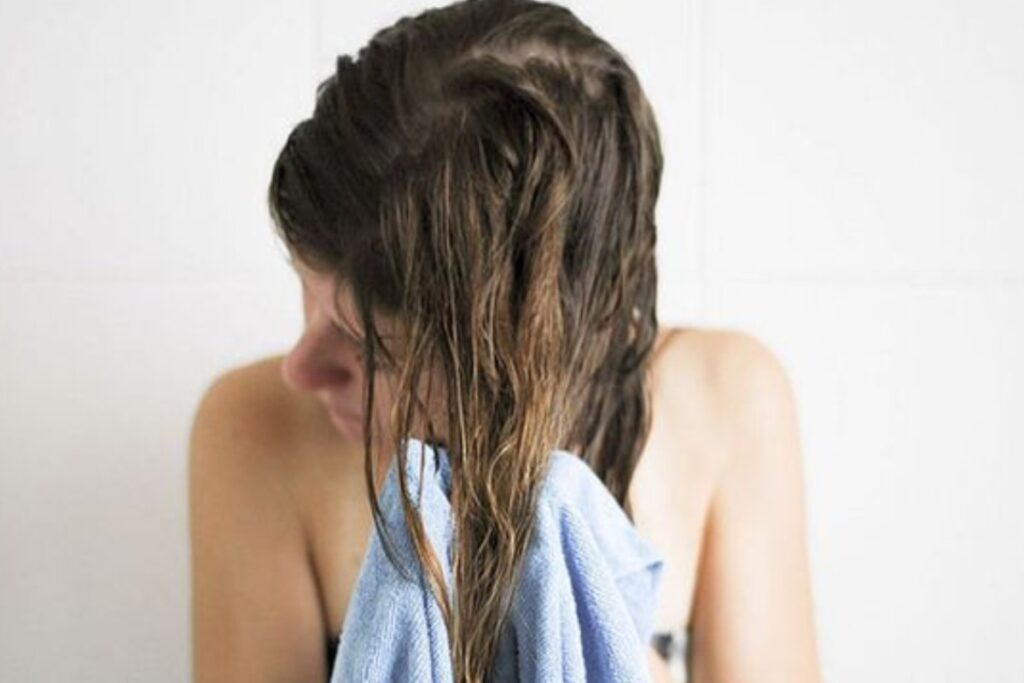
[321, 286]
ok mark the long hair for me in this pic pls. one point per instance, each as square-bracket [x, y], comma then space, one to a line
[486, 173]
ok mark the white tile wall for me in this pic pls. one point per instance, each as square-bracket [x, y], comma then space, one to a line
[865, 139]
[863, 203]
[909, 399]
[136, 262]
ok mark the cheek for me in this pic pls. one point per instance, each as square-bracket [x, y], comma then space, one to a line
[383, 399]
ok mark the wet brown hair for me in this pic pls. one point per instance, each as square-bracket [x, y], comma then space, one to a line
[486, 173]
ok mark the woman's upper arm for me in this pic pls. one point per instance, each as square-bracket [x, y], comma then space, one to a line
[255, 611]
[753, 610]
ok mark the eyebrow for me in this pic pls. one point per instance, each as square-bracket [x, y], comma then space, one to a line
[340, 326]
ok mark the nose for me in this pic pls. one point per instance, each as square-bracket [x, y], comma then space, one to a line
[315, 363]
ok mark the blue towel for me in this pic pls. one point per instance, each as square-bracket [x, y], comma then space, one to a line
[583, 610]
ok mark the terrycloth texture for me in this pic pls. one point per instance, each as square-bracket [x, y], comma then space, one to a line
[583, 610]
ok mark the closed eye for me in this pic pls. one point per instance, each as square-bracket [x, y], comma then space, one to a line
[343, 331]
[380, 359]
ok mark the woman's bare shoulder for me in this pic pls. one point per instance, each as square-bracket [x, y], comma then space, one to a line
[757, 503]
[249, 553]
[260, 399]
[251, 406]
[241, 399]
[706, 379]
[235, 429]
[740, 372]
[698, 349]
[708, 362]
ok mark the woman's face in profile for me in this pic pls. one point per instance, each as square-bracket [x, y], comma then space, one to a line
[327, 360]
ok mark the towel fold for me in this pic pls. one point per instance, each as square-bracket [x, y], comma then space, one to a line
[582, 612]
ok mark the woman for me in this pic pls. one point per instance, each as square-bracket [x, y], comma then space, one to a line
[470, 211]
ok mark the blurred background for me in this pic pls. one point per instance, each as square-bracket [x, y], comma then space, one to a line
[844, 180]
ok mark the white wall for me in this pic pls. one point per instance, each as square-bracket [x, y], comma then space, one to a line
[842, 180]
[862, 195]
